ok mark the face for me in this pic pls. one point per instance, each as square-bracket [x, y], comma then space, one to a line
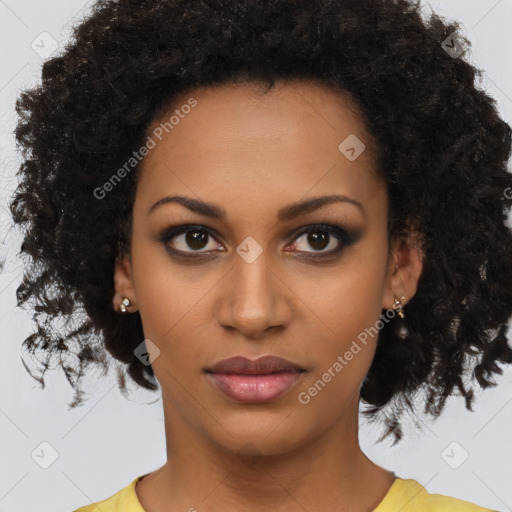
[251, 273]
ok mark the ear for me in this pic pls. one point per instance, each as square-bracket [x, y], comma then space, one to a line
[123, 284]
[405, 264]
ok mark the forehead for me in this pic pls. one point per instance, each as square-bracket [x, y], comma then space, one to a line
[299, 107]
[244, 137]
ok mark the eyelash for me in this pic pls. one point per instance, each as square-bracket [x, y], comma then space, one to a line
[345, 238]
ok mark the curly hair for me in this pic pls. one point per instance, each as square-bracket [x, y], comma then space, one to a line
[442, 154]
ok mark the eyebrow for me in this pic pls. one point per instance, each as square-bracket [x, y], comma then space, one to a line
[286, 213]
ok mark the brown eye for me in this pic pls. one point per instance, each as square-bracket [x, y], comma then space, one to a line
[196, 239]
[322, 239]
[317, 239]
[191, 238]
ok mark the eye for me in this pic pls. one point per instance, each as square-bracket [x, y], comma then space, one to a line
[192, 237]
[189, 241]
[319, 238]
[324, 239]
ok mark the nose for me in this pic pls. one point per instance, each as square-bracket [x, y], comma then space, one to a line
[254, 299]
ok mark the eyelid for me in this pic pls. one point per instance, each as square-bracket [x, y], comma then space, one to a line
[346, 236]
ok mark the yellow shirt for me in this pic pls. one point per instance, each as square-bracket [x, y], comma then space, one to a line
[404, 495]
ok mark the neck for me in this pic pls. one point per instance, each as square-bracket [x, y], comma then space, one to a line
[329, 473]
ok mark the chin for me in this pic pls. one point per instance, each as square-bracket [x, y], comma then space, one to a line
[254, 434]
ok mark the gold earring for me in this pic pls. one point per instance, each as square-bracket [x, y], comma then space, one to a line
[398, 306]
[126, 302]
[398, 302]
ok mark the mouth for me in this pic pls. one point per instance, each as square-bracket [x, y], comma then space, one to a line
[254, 381]
[262, 366]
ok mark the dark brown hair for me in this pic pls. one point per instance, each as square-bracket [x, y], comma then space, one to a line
[443, 151]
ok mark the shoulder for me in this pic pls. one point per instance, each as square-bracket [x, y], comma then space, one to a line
[408, 495]
[124, 500]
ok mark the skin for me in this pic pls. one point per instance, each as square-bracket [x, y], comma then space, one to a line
[251, 154]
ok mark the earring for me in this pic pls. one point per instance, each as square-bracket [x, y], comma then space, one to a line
[126, 302]
[398, 306]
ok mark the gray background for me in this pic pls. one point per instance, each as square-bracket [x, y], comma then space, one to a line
[103, 445]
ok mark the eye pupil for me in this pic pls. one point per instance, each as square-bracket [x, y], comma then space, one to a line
[318, 236]
[195, 238]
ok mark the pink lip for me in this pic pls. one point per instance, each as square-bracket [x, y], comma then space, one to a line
[255, 388]
[254, 381]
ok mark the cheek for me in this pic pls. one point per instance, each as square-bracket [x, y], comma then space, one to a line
[171, 312]
[343, 357]
[167, 299]
[351, 305]
[351, 296]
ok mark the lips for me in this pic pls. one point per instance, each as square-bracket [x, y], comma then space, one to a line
[261, 366]
[254, 381]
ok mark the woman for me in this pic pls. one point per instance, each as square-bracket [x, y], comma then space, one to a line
[275, 210]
